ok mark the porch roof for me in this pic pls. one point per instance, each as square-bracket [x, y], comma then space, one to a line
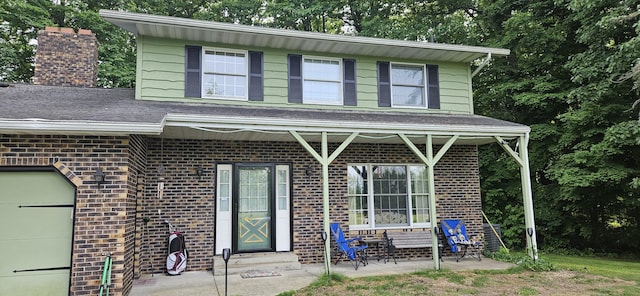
[42, 109]
[263, 37]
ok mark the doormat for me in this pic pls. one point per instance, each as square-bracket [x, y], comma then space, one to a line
[258, 274]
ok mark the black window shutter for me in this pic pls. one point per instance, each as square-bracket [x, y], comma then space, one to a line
[349, 82]
[256, 76]
[193, 66]
[295, 78]
[384, 84]
[433, 86]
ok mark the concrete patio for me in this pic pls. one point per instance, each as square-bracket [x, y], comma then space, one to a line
[204, 283]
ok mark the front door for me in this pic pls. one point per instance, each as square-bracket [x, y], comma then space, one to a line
[253, 208]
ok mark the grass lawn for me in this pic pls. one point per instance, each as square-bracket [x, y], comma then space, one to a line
[616, 268]
[574, 275]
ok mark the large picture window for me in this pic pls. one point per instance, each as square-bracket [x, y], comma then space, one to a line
[388, 196]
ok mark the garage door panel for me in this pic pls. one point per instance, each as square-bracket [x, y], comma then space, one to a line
[35, 254]
[52, 283]
[36, 222]
[35, 187]
[36, 211]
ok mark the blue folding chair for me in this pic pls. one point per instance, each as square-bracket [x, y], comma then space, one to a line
[355, 254]
[456, 235]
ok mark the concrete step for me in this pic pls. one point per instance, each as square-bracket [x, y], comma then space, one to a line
[242, 263]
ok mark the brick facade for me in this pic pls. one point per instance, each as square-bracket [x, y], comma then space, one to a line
[101, 213]
[112, 218]
[66, 58]
[188, 201]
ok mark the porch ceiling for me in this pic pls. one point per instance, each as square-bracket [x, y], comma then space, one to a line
[263, 37]
[180, 132]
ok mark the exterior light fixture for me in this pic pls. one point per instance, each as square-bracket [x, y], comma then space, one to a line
[200, 171]
[309, 171]
[99, 177]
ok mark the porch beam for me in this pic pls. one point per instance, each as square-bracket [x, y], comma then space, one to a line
[444, 148]
[308, 147]
[428, 161]
[342, 147]
[507, 148]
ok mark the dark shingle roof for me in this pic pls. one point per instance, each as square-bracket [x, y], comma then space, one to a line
[53, 103]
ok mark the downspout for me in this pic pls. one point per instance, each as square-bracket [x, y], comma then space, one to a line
[484, 63]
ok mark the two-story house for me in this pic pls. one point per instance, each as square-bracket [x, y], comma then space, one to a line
[244, 137]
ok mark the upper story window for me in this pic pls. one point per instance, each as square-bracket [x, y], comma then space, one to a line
[321, 80]
[223, 74]
[408, 85]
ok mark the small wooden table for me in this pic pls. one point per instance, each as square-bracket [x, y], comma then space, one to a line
[380, 247]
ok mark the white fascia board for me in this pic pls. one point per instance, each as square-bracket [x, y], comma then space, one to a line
[129, 21]
[270, 124]
[78, 127]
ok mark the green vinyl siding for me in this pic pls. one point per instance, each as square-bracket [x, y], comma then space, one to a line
[162, 78]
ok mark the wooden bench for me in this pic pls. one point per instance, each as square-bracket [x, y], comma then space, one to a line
[408, 239]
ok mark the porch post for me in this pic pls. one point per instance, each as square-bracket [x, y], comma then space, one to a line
[522, 158]
[527, 196]
[430, 161]
[325, 159]
[432, 203]
[325, 199]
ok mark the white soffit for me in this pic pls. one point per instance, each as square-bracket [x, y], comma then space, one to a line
[299, 41]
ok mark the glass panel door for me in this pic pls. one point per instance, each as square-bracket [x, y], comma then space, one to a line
[254, 231]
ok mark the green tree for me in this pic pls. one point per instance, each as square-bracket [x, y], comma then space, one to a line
[531, 87]
[598, 168]
[19, 25]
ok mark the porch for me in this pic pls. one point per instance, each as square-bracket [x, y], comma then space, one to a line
[204, 283]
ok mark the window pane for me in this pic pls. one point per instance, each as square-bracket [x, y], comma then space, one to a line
[408, 96]
[420, 191]
[315, 69]
[390, 204]
[322, 92]
[407, 75]
[222, 85]
[357, 195]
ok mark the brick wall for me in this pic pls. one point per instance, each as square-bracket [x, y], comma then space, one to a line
[111, 218]
[101, 222]
[66, 58]
[135, 181]
[188, 200]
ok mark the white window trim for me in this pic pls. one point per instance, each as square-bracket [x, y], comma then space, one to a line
[370, 200]
[246, 73]
[340, 81]
[425, 85]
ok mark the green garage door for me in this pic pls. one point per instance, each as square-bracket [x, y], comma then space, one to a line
[36, 218]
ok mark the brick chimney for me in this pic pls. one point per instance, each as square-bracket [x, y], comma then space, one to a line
[66, 58]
